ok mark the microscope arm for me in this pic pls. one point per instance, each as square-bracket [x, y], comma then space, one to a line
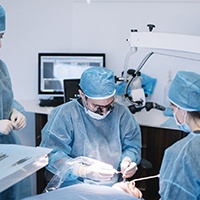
[165, 41]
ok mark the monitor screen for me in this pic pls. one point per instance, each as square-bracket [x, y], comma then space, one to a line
[55, 67]
[71, 87]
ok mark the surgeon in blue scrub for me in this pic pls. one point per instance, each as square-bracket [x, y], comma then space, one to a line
[95, 128]
[11, 118]
[180, 169]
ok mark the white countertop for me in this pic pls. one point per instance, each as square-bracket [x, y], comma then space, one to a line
[152, 118]
[33, 107]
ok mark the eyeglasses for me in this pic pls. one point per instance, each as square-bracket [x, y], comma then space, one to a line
[100, 109]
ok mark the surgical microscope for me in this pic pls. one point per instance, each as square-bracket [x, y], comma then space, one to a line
[157, 41]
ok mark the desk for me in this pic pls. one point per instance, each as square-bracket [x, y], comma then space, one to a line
[155, 138]
[152, 118]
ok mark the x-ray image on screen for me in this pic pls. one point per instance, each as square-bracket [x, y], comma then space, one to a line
[50, 82]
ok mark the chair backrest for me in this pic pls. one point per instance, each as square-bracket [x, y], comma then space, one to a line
[70, 89]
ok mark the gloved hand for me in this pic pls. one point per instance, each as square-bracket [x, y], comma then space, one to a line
[97, 171]
[6, 126]
[18, 118]
[128, 168]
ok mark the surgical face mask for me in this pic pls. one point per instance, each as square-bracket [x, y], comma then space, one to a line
[184, 127]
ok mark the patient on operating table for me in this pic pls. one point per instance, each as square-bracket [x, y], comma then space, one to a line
[119, 191]
[128, 187]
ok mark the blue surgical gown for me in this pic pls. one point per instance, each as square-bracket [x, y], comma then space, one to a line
[71, 133]
[7, 103]
[180, 170]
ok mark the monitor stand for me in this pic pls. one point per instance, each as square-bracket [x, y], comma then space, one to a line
[55, 101]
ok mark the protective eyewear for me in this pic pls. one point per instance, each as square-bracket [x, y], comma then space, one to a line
[99, 109]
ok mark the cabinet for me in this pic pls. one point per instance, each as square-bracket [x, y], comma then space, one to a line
[40, 121]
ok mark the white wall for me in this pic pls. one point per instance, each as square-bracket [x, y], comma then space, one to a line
[102, 26]
[33, 26]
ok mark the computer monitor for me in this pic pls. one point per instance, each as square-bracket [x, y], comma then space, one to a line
[71, 87]
[55, 67]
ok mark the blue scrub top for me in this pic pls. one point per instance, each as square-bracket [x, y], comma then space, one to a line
[71, 133]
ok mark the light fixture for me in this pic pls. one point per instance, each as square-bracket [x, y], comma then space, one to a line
[88, 1]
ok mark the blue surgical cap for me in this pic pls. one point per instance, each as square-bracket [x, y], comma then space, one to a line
[2, 20]
[185, 91]
[98, 83]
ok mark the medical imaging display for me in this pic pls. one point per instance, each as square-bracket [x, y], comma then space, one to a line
[55, 67]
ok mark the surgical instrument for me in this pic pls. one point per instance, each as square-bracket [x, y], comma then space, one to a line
[146, 178]
[21, 161]
[3, 156]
